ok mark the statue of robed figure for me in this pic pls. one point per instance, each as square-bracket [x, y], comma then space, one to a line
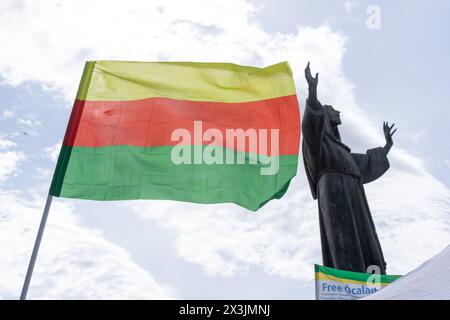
[336, 177]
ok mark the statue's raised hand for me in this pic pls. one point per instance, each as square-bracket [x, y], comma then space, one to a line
[388, 133]
[312, 81]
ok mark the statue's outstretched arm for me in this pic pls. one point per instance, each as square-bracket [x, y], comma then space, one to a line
[312, 86]
[313, 115]
[388, 133]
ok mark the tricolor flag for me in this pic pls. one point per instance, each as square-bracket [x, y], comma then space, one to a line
[196, 132]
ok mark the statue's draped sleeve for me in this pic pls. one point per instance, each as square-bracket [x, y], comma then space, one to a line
[372, 165]
[313, 124]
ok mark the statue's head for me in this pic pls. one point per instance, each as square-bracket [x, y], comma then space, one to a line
[333, 115]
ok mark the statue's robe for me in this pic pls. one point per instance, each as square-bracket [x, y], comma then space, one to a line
[336, 177]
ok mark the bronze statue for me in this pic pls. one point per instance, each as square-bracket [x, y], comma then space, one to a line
[336, 177]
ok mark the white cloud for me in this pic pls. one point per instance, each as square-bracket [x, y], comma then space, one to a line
[416, 137]
[52, 152]
[447, 162]
[410, 211]
[8, 163]
[410, 207]
[6, 114]
[73, 263]
[226, 240]
[9, 159]
[28, 123]
[4, 144]
[350, 5]
[156, 30]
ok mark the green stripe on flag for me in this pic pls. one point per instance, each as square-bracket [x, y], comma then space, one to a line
[128, 172]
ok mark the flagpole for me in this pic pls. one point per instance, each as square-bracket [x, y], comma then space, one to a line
[37, 243]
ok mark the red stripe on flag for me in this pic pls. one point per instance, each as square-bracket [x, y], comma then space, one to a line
[150, 122]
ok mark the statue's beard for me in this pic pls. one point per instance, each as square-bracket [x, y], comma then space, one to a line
[335, 122]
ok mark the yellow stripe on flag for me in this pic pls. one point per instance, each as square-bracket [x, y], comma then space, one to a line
[220, 82]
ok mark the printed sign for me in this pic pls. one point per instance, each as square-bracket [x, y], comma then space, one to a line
[335, 284]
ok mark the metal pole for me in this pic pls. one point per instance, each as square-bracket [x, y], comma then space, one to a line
[37, 243]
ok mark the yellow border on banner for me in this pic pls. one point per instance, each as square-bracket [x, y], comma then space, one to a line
[321, 276]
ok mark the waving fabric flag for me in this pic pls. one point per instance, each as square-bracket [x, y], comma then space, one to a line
[196, 132]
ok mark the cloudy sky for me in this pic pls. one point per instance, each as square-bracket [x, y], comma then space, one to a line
[162, 249]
